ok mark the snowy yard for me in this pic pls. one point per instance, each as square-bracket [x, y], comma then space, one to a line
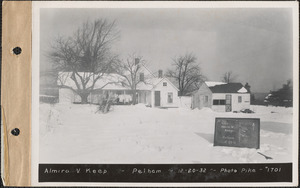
[137, 134]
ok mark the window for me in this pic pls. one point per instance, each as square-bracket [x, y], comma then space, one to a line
[164, 83]
[170, 97]
[222, 102]
[142, 77]
[240, 99]
[215, 102]
[228, 99]
[218, 102]
[206, 99]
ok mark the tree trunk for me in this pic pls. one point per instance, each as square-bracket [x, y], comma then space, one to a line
[180, 93]
[134, 97]
[84, 98]
[108, 103]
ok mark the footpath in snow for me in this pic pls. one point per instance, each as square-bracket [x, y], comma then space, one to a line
[77, 133]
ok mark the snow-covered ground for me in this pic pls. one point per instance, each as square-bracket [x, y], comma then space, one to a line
[138, 134]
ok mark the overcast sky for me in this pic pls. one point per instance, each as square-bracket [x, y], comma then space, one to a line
[255, 44]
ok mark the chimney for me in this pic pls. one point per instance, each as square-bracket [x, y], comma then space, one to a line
[136, 61]
[160, 73]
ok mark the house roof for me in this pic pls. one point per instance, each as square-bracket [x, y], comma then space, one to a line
[228, 88]
[158, 80]
[107, 81]
[110, 82]
[148, 84]
[212, 84]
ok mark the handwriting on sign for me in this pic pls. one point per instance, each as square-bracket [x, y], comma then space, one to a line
[237, 132]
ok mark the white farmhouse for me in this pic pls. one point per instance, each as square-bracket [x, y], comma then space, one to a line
[221, 97]
[155, 91]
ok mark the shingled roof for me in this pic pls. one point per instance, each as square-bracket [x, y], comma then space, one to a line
[227, 88]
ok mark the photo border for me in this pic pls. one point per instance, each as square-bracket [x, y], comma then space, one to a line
[36, 6]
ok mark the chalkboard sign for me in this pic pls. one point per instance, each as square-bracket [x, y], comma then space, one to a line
[237, 132]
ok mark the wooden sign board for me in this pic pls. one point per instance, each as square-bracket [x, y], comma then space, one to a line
[237, 132]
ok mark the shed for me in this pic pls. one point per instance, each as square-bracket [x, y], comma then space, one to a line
[222, 97]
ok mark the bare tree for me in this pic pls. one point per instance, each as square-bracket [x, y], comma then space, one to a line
[229, 77]
[85, 55]
[186, 73]
[130, 71]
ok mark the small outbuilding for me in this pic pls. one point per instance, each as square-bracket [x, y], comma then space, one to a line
[221, 97]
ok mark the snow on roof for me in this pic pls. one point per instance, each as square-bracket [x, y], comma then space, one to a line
[228, 88]
[212, 84]
[147, 85]
[242, 90]
[143, 86]
[108, 81]
[111, 82]
[156, 81]
[151, 83]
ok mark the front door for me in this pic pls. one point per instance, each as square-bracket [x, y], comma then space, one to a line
[157, 98]
[137, 98]
[228, 103]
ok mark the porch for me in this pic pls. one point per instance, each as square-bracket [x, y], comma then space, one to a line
[120, 97]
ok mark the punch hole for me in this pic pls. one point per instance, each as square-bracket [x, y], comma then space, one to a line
[15, 131]
[17, 50]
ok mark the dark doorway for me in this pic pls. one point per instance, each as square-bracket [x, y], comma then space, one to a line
[157, 98]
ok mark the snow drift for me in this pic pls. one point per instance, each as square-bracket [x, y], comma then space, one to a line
[77, 133]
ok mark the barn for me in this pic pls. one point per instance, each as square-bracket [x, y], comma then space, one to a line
[221, 97]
